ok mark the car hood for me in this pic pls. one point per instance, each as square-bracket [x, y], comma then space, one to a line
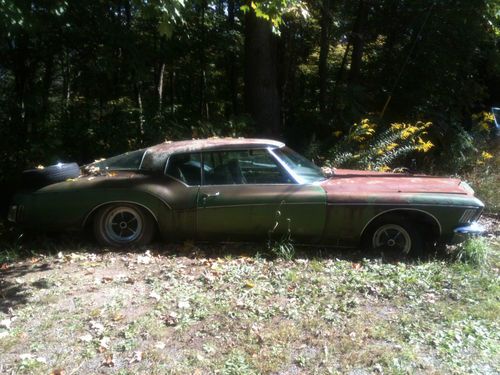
[352, 183]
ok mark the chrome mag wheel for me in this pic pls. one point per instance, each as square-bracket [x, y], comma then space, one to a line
[392, 237]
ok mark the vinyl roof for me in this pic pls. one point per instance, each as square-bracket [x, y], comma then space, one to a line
[212, 144]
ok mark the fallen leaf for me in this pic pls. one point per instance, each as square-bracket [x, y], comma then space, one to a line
[86, 338]
[97, 327]
[106, 279]
[58, 371]
[117, 317]
[160, 345]
[5, 323]
[136, 357]
[170, 319]
[155, 296]
[144, 259]
[249, 284]
[104, 343]
[108, 360]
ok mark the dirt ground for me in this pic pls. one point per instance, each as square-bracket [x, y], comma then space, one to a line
[197, 309]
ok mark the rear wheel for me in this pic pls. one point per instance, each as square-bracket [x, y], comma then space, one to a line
[123, 224]
[395, 236]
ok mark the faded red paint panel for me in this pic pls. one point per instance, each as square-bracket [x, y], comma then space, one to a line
[348, 185]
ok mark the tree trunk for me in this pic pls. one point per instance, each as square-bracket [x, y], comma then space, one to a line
[232, 78]
[262, 99]
[141, 112]
[357, 41]
[323, 56]
[203, 105]
[159, 87]
[46, 86]
[171, 77]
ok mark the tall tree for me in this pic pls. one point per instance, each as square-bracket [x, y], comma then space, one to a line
[262, 99]
[357, 41]
[324, 47]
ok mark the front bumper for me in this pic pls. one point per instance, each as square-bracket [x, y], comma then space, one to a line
[463, 232]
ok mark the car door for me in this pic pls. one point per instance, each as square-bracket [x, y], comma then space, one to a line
[247, 195]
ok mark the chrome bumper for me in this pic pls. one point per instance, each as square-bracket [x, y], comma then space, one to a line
[461, 233]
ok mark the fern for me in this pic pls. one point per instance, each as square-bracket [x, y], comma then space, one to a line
[366, 148]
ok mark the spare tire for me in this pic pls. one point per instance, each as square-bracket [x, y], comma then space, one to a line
[37, 178]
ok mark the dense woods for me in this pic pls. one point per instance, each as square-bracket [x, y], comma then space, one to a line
[86, 79]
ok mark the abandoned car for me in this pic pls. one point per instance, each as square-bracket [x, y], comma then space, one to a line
[248, 189]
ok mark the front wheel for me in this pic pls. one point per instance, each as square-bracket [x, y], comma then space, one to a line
[397, 237]
[122, 225]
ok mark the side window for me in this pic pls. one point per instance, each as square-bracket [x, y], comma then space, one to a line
[185, 167]
[242, 167]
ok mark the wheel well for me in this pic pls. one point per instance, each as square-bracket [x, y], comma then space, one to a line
[421, 218]
[89, 219]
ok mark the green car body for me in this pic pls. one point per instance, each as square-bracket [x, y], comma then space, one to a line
[265, 196]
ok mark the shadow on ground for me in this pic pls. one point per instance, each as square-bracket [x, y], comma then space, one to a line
[13, 291]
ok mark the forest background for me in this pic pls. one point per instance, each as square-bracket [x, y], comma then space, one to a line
[81, 80]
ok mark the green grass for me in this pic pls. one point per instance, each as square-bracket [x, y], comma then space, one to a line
[244, 315]
[475, 251]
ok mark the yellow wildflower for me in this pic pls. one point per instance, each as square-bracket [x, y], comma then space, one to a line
[408, 131]
[484, 126]
[337, 133]
[384, 168]
[392, 146]
[486, 155]
[424, 146]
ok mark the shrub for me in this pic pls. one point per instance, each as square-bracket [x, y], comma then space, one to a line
[365, 147]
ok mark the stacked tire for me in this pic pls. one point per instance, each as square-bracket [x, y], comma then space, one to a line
[40, 177]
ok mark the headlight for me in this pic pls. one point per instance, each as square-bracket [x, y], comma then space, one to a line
[12, 214]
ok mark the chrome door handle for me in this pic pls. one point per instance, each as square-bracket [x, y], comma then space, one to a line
[207, 195]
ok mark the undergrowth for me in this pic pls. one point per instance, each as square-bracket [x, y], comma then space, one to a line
[475, 251]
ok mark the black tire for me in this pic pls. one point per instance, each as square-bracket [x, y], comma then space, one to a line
[37, 178]
[123, 224]
[394, 235]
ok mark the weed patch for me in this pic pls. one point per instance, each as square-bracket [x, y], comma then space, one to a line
[164, 310]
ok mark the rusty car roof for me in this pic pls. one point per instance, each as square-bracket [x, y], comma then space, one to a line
[170, 147]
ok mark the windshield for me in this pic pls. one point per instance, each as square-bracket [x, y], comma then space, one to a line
[300, 166]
